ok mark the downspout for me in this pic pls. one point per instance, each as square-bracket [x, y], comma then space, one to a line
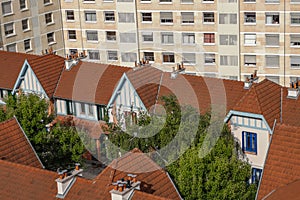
[62, 28]
[284, 48]
[137, 31]
[239, 50]
[80, 24]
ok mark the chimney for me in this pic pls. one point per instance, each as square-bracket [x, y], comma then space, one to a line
[253, 79]
[293, 90]
[124, 188]
[66, 180]
[69, 63]
[178, 69]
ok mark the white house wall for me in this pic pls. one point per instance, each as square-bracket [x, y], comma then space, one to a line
[31, 84]
[240, 124]
[127, 97]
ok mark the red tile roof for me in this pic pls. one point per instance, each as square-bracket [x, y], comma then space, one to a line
[48, 69]
[290, 110]
[262, 98]
[283, 160]
[154, 180]
[200, 92]
[14, 145]
[25, 182]
[289, 191]
[146, 81]
[89, 82]
[10, 66]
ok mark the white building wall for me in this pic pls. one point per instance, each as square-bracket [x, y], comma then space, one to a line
[240, 124]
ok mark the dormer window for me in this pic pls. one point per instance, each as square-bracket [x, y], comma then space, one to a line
[249, 142]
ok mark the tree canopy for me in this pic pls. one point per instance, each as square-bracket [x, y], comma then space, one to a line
[218, 175]
[59, 147]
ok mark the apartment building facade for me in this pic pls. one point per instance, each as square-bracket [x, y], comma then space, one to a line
[217, 38]
[31, 26]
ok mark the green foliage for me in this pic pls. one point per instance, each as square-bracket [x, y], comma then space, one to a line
[58, 148]
[219, 175]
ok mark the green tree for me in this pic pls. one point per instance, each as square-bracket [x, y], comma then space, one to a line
[218, 175]
[59, 147]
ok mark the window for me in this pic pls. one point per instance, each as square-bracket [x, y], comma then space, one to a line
[295, 62]
[22, 4]
[112, 55]
[249, 17]
[125, 0]
[82, 108]
[295, 40]
[6, 8]
[109, 16]
[11, 47]
[145, 1]
[72, 35]
[209, 58]
[168, 57]
[249, 142]
[25, 25]
[271, 1]
[272, 60]
[111, 36]
[209, 38]
[272, 18]
[92, 36]
[209, 17]
[295, 1]
[9, 29]
[272, 39]
[27, 44]
[249, 1]
[187, 17]
[227, 19]
[149, 56]
[126, 17]
[295, 18]
[189, 58]
[274, 79]
[127, 37]
[256, 174]
[128, 57]
[146, 17]
[250, 60]
[165, 1]
[228, 60]
[187, 1]
[94, 54]
[147, 36]
[89, 1]
[73, 51]
[90, 109]
[90, 16]
[50, 37]
[228, 39]
[250, 39]
[166, 17]
[167, 38]
[208, 1]
[188, 38]
[70, 15]
[48, 18]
